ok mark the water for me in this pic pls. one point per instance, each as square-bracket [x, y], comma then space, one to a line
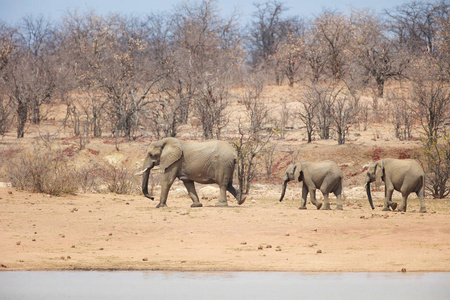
[222, 285]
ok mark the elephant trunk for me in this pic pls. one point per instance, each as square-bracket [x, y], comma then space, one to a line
[283, 189]
[369, 195]
[145, 184]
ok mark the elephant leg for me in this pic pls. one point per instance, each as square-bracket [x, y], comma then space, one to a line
[313, 199]
[403, 204]
[236, 194]
[339, 200]
[387, 199]
[420, 194]
[304, 197]
[326, 202]
[223, 196]
[190, 186]
[166, 183]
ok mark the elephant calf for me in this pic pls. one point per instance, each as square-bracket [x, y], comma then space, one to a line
[403, 175]
[204, 162]
[323, 175]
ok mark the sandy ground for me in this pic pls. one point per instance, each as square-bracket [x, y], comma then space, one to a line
[115, 232]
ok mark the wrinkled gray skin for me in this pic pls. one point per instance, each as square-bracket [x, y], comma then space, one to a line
[324, 175]
[203, 162]
[403, 175]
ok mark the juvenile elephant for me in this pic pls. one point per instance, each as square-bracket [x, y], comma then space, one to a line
[324, 175]
[203, 162]
[403, 175]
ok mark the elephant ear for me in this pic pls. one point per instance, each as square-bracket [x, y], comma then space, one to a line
[297, 171]
[171, 152]
[379, 171]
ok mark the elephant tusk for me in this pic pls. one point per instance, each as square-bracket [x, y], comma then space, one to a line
[141, 172]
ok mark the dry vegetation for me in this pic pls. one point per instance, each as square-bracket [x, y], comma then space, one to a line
[79, 103]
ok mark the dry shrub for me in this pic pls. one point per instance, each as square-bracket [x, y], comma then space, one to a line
[43, 171]
[57, 172]
[119, 178]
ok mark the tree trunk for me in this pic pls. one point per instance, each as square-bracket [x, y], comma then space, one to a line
[22, 114]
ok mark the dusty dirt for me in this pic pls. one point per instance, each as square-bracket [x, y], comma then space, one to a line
[106, 231]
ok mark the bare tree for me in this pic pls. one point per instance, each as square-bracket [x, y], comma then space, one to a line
[30, 76]
[436, 156]
[344, 111]
[415, 24]
[268, 30]
[310, 101]
[323, 95]
[289, 55]
[316, 56]
[208, 51]
[402, 116]
[252, 139]
[109, 58]
[378, 56]
[431, 101]
[332, 29]
[6, 50]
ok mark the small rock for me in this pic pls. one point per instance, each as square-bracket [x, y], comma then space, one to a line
[73, 246]
[33, 240]
[278, 249]
[3, 266]
[101, 249]
[145, 259]
[68, 257]
[269, 246]
[18, 243]
[319, 251]
[244, 243]
[287, 234]
[260, 247]
[63, 258]
[403, 270]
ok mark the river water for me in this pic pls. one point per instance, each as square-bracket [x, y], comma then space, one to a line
[221, 285]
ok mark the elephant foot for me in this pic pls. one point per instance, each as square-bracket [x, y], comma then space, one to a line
[339, 207]
[394, 205]
[222, 203]
[161, 205]
[243, 198]
[423, 210]
[302, 207]
[326, 207]
[198, 204]
[402, 209]
[319, 206]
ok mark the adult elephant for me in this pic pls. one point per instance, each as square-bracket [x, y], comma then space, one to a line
[324, 175]
[403, 175]
[203, 162]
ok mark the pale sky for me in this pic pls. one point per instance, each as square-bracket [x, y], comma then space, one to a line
[12, 11]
